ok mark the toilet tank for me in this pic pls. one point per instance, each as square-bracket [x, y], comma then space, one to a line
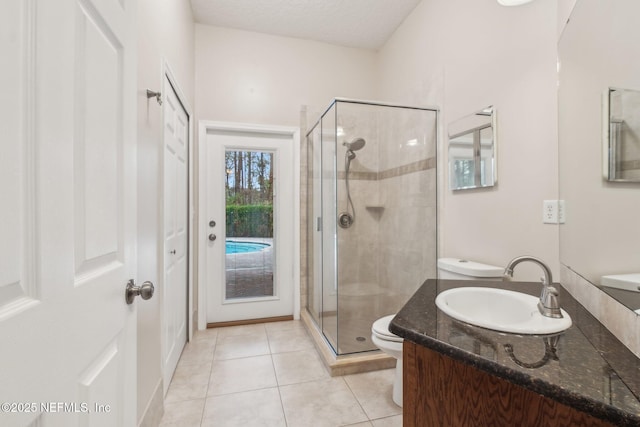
[462, 269]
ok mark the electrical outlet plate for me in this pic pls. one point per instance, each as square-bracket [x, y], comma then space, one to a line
[550, 212]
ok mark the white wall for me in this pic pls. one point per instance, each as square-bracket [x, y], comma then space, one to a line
[462, 55]
[256, 78]
[439, 56]
[249, 77]
[565, 7]
[165, 31]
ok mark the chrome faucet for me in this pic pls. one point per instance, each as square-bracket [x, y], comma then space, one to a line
[548, 304]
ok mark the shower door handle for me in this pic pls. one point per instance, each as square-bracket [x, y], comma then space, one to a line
[318, 223]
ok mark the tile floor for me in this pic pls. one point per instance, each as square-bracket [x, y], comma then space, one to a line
[270, 375]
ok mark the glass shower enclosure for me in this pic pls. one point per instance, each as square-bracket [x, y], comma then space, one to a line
[371, 215]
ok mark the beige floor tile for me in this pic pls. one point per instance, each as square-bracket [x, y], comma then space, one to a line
[232, 331]
[192, 373]
[179, 392]
[236, 346]
[289, 340]
[207, 335]
[395, 421]
[251, 408]
[230, 377]
[196, 354]
[320, 403]
[374, 392]
[184, 414]
[284, 326]
[237, 375]
[299, 366]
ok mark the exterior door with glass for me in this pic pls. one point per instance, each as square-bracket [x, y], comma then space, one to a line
[248, 222]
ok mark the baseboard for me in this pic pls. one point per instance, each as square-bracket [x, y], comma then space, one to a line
[155, 408]
[249, 321]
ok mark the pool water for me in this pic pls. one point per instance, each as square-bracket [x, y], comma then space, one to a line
[233, 247]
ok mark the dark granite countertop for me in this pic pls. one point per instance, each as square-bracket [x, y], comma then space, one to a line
[591, 370]
[630, 299]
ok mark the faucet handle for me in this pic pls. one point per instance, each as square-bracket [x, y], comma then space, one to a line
[548, 304]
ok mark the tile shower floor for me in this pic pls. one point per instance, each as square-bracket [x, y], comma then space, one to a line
[270, 375]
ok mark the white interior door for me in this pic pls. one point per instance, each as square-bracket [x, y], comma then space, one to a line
[176, 143]
[226, 272]
[67, 227]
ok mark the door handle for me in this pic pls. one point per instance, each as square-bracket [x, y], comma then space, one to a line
[132, 291]
[212, 237]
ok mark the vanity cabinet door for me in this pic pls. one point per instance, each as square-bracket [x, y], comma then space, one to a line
[440, 391]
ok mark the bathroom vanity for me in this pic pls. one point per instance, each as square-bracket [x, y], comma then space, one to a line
[456, 374]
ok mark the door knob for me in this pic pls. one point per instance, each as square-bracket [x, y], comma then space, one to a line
[212, 237]
[132, 291]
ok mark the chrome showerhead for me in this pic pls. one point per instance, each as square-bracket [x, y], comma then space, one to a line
[355, 145]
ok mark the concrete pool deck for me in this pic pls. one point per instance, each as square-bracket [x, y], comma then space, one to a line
[250, 274]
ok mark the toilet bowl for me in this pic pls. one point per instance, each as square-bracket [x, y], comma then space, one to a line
[448, 268]
[390, 344]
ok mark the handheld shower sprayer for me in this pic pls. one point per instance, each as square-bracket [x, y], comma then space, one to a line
[355, 145]
[346, 219]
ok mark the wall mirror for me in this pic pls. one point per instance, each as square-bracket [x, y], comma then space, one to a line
[601, 233]
[621, 141]
[472, 150]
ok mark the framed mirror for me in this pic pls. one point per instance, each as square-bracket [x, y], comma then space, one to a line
[621, 141]
[599, 239]
[472, 150]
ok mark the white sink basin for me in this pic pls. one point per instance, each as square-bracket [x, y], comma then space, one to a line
[500, 310]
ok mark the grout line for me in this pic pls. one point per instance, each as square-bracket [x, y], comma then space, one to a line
[278, 384]
[275, 374]
[355, 397]
[206, 395]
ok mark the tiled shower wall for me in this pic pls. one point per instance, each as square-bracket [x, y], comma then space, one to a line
[408, 226]
[359, 245]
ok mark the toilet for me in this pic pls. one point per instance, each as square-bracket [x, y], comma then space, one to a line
[391, 344]
[448, 268]
[462, 269]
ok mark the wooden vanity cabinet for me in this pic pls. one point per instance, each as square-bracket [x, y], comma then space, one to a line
[440, 391]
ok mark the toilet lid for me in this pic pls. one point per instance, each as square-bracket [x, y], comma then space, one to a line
[381, 328]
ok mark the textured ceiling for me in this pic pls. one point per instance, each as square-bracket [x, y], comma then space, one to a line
[355, 23]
